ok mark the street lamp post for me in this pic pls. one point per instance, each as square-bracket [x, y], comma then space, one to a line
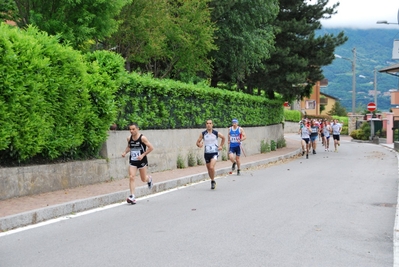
[354, 82]
[375, 86]
[353, 78]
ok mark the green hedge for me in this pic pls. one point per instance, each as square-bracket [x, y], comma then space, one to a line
[167, 104]
[292, 115]
[54, 101]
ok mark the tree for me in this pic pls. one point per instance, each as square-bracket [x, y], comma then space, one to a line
[338, 110]
[166, 38]
[295, 65]
[244, 37]
[8, 11]
[75, 21]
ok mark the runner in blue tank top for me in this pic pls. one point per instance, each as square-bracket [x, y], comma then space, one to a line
[235, 137]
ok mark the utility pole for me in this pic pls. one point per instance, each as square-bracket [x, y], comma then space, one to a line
[375, 87]
[354, 82]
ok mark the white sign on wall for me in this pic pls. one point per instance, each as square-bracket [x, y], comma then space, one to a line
[395, 49]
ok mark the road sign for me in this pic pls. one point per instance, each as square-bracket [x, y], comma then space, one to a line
[371, 106]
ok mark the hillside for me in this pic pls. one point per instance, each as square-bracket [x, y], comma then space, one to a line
[373, 51]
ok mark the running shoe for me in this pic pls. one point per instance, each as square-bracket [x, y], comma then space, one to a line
[314, 151]
[307, 156]
[303, 153]
[149, 182]
[238, 172]
[233, 167]
[213, 184]
[131, 200]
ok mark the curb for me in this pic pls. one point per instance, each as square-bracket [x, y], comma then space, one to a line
[52, 212]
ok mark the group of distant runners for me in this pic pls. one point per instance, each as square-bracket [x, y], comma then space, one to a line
[312, 130]
[139, 147]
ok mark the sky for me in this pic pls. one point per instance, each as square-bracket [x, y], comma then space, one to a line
[363, 14]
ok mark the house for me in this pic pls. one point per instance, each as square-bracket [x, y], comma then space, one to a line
[311, 105]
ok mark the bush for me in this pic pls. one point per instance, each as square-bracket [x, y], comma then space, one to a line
[180, 162]
[191, 159]
[264, 146]
[281, 143]
[363, 133]
[43, 93]
[355, 134]
[382, 133]
[344, 130]
[54, 102]
[292, 115]
[273, 145]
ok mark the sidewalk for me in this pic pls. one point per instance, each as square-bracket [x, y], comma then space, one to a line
[22, 211]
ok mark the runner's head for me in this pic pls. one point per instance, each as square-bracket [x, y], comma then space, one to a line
[209, 124]
[234, 122]
[133, 128]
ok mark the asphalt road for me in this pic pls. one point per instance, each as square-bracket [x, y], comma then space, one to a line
[333, 209]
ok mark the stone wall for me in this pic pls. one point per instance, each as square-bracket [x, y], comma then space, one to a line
[168, 146]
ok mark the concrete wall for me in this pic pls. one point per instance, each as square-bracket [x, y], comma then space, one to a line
[291, 127]
[168, 146]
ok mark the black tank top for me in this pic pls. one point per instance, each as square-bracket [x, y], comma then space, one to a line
[137, 148]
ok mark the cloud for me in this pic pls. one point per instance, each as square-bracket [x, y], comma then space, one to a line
[363, 14]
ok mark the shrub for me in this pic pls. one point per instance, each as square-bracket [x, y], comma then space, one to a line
[366, 131]
[273, 145]
[292, 115]
[355, 134]
[264, 146]
[180, 162]
[200, 160]
[225, 154]
[344, 130]
[54, 101]
[363, 133]
[191, 159]
[281, 143]
[43, 93]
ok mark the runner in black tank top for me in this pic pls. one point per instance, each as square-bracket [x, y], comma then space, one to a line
[139, 147]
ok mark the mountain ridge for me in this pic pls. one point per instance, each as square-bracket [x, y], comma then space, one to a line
[373, 52]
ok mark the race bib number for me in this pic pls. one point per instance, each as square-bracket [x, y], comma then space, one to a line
[211, 149]
[134, 154]
[234, 139]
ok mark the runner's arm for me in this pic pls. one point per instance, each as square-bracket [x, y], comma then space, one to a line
[148, 144]
[243, 135]
[199, 141]
[223, 140]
